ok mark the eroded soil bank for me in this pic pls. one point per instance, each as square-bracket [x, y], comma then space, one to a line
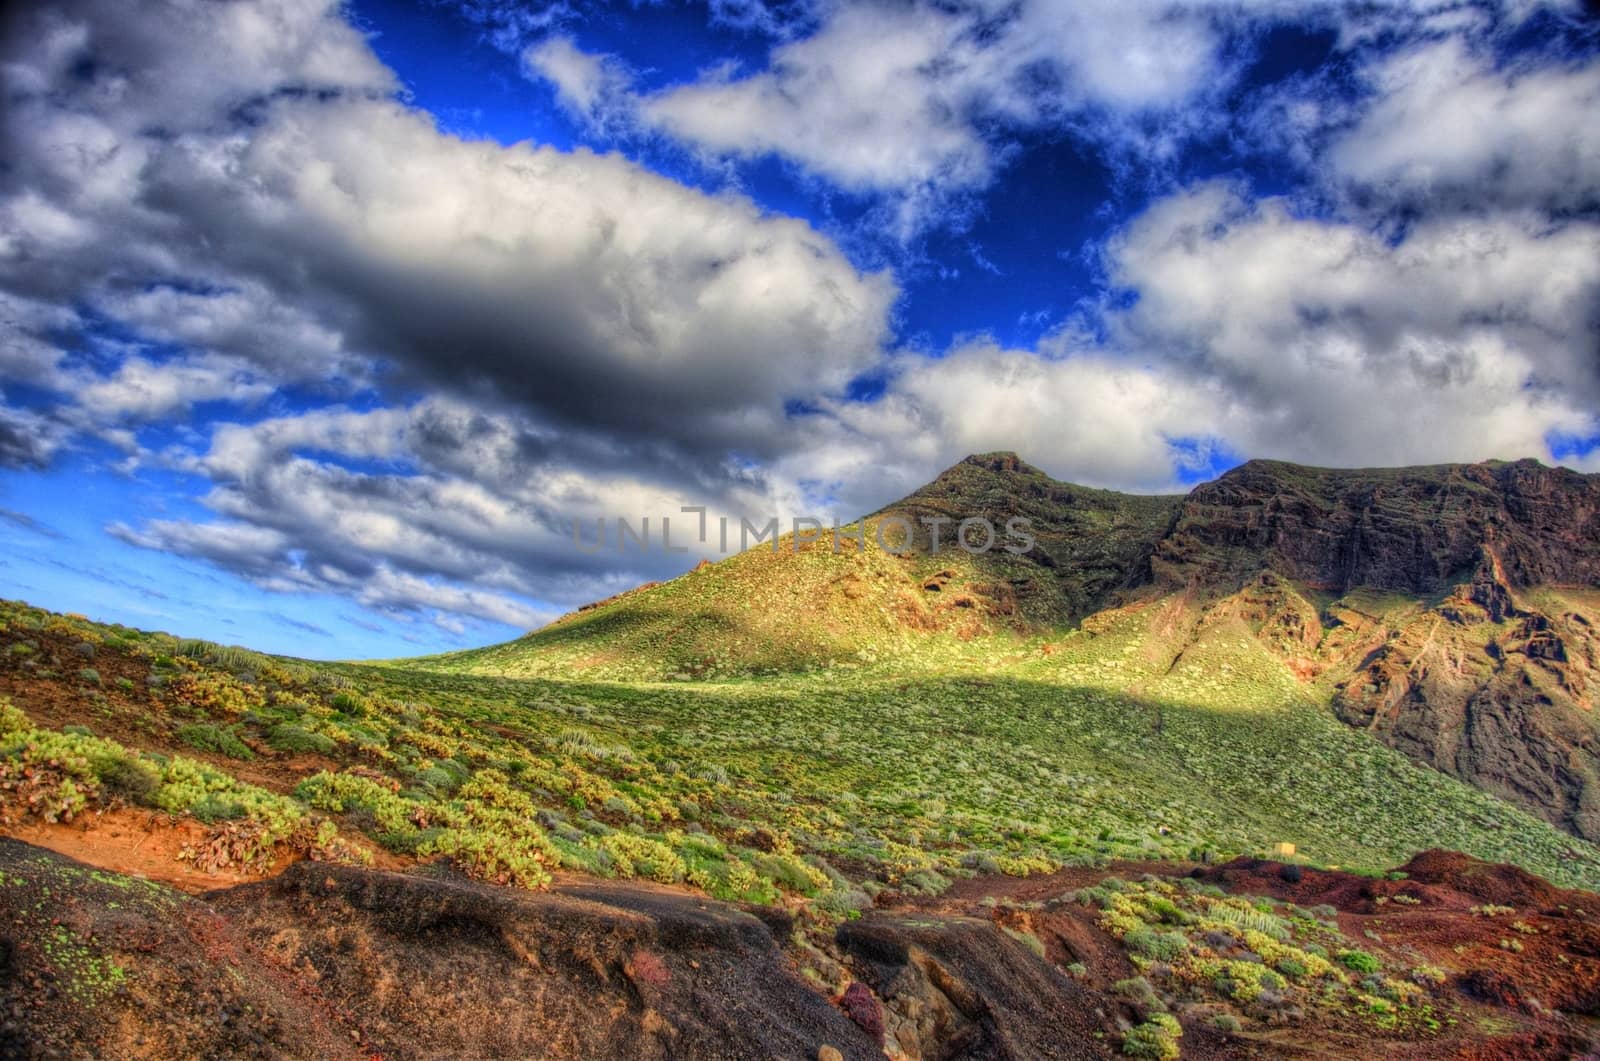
[331, 961]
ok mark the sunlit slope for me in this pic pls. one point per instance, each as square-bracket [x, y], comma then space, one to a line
[1148, 733]
[809, 607]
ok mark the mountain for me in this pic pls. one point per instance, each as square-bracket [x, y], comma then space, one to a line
[1450, 611]
[809, 804]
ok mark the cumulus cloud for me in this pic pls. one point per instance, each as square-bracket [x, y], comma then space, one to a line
[595, 88]
[880, 97]
[925, 101]
[1292, 337]
[239, 189]
[1090, 416]
[578, 284]
[27, 439]
[1470, 338]
[1446, 124]
[438, 505]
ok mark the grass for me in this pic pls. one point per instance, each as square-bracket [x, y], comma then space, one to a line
[809, 784]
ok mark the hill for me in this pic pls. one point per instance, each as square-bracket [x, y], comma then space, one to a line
[1449, 610]
[802, 605]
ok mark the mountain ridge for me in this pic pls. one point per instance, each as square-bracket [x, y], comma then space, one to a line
[1451, 611]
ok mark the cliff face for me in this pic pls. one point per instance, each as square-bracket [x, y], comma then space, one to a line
[1495, 685]
[1456, 609]
[1413, 530]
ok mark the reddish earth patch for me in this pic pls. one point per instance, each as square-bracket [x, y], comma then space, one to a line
[1541, 954]
[151, 845]
[1497, 1001]
[140, 844]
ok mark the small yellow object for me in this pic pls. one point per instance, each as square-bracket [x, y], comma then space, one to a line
[1283, 850]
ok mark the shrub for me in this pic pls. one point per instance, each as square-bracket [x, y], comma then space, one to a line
[641, 856]
[1156, 1038]
[925, 882]
[289, 738]
[1293, 968]
[1237, 913]
[1359, 960]
[790, 872]
[212, 738]
[1027, 939]
[1158, 946]
[1226, 1023]
[1429, 975]
[1138, 992]
[497, 858]
[128, 776]
[90, 675]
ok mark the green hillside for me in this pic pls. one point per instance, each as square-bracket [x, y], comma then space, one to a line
[822, 785]
[825, 725]
[805, 608]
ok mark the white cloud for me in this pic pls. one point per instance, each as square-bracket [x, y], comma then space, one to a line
[142, 389]
[1446, 125]
[342, 225]
[1268, 335]
[923, 101]
[595, 88]
[1472, 338]
[878, 98]
[575, 302]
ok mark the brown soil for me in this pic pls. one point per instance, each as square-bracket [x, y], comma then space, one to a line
[316, 960]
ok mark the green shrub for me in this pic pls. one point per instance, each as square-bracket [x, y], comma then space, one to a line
[1157, 946]
[1155, 1038]
[127, 776]
[1359, 960]
[208, 737]
[1293, 968]
[289, 738]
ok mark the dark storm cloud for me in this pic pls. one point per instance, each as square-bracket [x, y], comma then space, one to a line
[575, 285]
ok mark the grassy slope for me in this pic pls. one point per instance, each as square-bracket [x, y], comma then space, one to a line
[806, 607]
[897, 718]
[1104, 747]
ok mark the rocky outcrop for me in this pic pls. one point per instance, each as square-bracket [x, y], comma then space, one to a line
[1090, 546]
[957, 987]
[327, 961]
[1493, 687]
[1414, 530]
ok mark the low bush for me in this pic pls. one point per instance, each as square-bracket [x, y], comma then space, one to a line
[291, 739]
[208, 737]
[1359, 961]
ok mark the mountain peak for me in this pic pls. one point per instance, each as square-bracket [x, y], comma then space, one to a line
[999, 461]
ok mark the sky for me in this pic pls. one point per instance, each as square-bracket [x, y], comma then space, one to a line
[322, 325]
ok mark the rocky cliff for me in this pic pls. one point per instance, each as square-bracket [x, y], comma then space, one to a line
[1412, 530]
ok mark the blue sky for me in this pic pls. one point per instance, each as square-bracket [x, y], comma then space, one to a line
[322, 324]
